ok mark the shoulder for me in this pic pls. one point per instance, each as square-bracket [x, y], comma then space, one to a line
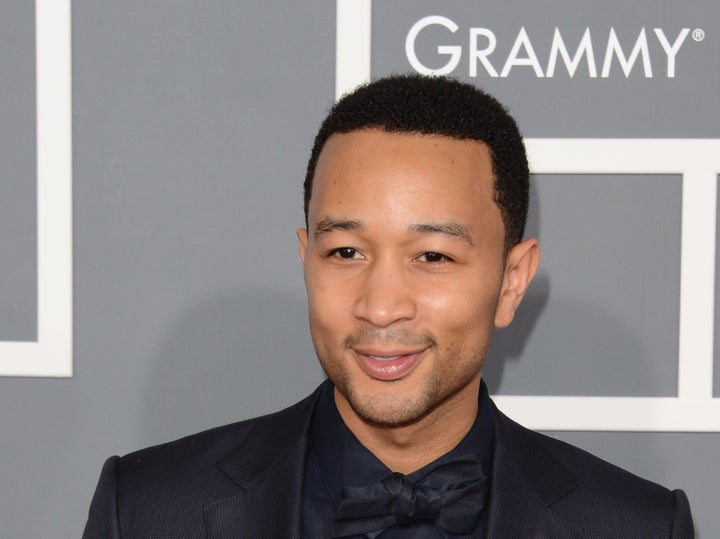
[160, 491]
[583, 488]
[530, 448]
[210, 446]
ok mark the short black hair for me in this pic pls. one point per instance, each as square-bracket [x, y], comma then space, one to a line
[433, 105]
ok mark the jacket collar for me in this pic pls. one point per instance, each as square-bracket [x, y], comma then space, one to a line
[527, 481]
[268, 465]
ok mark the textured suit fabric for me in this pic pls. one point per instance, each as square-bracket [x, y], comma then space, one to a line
[245, 481]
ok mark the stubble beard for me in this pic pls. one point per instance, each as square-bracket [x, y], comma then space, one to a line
[388, 410]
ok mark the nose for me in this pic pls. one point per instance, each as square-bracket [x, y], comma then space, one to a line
[385, 295]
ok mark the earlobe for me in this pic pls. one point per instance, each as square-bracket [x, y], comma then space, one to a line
[302, 237]
[520, 267]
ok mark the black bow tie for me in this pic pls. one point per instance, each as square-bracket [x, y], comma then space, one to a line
[451, 494]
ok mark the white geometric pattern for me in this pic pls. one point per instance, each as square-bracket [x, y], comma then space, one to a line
[51, 355]
[694, 409]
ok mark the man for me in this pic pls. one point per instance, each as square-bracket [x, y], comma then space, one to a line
[416, 195]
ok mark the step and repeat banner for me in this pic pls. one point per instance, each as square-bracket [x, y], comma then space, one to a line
[153, 155]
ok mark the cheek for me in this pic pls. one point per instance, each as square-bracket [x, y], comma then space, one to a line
[462, 304]
[315, 286]
[328, 306]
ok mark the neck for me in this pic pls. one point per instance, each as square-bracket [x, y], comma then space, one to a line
[409, 447]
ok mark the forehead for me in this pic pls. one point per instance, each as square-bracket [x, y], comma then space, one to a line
[403, 174]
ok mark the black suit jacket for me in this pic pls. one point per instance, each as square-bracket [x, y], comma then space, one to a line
[245, 481]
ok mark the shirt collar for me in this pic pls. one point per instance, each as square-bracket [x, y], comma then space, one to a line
[345, 462]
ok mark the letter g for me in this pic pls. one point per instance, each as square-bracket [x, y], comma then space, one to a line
[455, 51]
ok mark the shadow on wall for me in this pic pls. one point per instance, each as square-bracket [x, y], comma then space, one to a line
[237, 354]
[567, 346]
[568, 343]
[509, 343]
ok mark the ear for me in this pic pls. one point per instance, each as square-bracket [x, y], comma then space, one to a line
[520, 267]
[302, 237]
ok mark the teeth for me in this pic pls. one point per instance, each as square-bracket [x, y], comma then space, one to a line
[379, 358]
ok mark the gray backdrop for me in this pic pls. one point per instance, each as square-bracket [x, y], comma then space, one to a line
[192, 124]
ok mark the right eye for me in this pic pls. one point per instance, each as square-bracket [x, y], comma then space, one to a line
[346, 253]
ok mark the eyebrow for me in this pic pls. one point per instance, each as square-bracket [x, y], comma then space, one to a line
[327, 225]
[452, 229]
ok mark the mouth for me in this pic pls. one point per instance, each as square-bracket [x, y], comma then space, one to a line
[387, 366]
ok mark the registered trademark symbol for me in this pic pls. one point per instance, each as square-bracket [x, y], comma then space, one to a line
[698, 34]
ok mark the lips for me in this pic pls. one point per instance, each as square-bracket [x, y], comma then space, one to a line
[387, 366]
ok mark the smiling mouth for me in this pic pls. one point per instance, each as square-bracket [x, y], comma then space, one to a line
[388, 367]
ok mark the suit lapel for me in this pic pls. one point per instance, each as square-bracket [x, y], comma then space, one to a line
[526, 482]
[270, 507]
[269, 466]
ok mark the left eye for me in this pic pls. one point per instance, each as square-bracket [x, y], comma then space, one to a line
[433, 257]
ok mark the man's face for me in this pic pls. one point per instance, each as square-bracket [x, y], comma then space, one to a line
[404, 270]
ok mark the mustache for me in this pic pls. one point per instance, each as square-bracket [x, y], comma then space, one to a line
[397, 336]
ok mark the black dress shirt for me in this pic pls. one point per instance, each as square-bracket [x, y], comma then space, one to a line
[336, 459]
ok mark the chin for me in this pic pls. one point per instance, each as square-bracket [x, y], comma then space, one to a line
[388, 409]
